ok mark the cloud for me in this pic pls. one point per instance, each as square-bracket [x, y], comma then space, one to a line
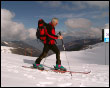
[90, 33]
[106, 26]
[78, 5]
[99, 4]
[95, 32]
[32, 32]
[75, 5]
[50, 3]
[11, 30]
[63, 15]
[82, 28]
[75, 23]
[101, 15]
[55, 3]
[90, 4]
[69, 15]
[6, 15]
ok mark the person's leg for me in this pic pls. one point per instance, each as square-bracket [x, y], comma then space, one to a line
[55, 49]
[44, 53]
[58, 61]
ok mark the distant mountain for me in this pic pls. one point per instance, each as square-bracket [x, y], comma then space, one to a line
[71, 43]
[36, 43]
[19, 47]
[34, 47]
[79, 44]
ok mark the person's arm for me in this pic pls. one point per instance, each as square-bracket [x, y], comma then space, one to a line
[48, 32]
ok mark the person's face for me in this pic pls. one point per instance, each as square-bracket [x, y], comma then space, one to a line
[55, 22]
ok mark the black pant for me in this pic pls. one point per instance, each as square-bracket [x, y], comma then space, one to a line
[46, 48]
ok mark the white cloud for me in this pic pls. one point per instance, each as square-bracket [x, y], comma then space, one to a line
[97, 32]
[75, 5]
[100, 4]
[63, 15]
[91, 4]
[78, 5]
[82, 28]
[90, 33]
[32, 33]
[55, 3]
[11, 30]
[106, 26]
[6, 15]
[69, 15]
[101, 15]
[78, 23]
[50, 3]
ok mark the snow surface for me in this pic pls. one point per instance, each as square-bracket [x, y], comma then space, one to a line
[14, 75]
[6, 49]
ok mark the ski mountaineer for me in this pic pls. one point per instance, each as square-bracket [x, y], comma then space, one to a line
[49, 44]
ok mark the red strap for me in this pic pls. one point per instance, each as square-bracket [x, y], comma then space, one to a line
[40, 25]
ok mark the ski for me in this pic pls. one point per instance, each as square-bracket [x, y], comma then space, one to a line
[58, 71]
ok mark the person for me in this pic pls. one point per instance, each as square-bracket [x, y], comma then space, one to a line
[49, 44]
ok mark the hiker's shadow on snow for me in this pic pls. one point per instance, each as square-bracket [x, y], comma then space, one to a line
[28, 61]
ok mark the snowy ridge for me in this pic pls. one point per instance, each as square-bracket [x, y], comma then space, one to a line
[14, 75]
[19, 47]
[6, 43]
[5, 49]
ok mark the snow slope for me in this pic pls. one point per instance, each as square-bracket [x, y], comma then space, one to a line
[6, 49]
[14, 75]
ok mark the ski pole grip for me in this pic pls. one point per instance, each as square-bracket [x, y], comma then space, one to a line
[60, 33]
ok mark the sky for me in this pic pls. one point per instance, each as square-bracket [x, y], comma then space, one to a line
[75, 17]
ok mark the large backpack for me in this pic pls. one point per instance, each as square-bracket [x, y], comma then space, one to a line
[40, 34]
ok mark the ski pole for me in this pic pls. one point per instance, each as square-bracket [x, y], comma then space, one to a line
[62, 41]
[65, 54]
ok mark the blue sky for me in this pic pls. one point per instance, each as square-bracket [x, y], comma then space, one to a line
[28, 12]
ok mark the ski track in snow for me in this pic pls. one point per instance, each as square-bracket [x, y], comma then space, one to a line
[13, 74]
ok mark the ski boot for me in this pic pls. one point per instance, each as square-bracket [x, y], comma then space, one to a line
[59, 67]
[38, 66]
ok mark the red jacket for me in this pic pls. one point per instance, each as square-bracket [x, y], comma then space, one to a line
[50, 34]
